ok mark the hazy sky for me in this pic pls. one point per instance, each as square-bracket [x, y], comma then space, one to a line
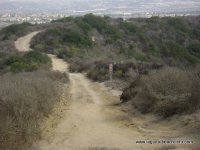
[175, 1]
[84, 5]
[133, 1]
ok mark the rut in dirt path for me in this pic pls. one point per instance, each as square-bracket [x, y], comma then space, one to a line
[90, 121]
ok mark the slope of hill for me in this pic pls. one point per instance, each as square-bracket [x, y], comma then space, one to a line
[135, 47]
[171, 41]
[156, 65]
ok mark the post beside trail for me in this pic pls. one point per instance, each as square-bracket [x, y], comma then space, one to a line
[111, 71]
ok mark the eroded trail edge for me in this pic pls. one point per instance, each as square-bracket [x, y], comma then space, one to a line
[90, 120]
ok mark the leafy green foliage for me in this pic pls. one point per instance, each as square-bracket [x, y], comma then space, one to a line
[37, 57]
[112, 34]
[96, 22]
[64, 54]
[76, 38]
[83, 25]
[130, 28]
[14, 30]
[178, 24]
[179, 52]
[194, 48]
[168, 40]
[57, 38]
[102, 25]
[28, 62]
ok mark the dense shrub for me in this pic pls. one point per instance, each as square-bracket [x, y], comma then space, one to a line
[84, 25]
[28, 62]
[194, 48]
[130, 28]
[171, 40]
[65, 54]
[59, 37]
[102, 26]
[25, 99]
[126, 71]
[96, 22]
[175, 50]
[13, 30]
[166, 92]
[179, 24]
[37, 57]
[78, 65]
[76, 38]
[112, 34]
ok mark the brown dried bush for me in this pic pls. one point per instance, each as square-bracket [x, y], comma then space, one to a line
[166, 92]
[25, 99]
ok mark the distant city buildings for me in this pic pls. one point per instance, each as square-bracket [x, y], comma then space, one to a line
[40, 18]
[33, 18]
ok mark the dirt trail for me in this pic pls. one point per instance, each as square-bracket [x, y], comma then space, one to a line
[23, 43]
[90, 121]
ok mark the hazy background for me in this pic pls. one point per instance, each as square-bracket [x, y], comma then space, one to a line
[99, 6]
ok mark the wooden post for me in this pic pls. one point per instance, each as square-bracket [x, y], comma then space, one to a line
[111, 71]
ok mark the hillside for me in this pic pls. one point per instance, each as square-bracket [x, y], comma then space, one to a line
[172, 41]
[154, 94]
[163, 50]
[29, 90]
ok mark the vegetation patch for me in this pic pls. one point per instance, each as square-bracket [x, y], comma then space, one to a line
[171, 41]
[25, 99]
[30, 61]
[166, 92]
[13, 31]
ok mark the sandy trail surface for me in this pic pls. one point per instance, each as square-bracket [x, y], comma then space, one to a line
[23, 43]
[91, 120]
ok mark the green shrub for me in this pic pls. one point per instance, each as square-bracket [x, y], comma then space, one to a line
[165, 39]
[178, 24]
[54, 32]
[179, 52]
[96, 22]
[153, 48]
[37, 57]
[78, 65]
[84, 26]
[28, 62]
[140, 56]
[14, 30]
[64, 54]
[112, 34]
[19, 66]
[76, 38]
[130, 28]
[194, 48]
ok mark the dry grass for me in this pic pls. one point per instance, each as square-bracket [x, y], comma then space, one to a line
[166, 92]
[100, 148]
[174, 91]
[25, 99]
[168, 147]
